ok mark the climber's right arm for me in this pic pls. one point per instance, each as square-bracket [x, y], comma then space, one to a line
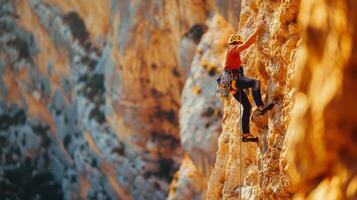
[252, 39]
[249, 42]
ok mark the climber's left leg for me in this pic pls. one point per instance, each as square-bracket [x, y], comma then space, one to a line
[243, 99]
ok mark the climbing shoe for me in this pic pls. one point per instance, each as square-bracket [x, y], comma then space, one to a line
[249, 138]
[266, 108]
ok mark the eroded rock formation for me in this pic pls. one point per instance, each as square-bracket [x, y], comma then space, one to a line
[201, 111]
[313, 157]
[248, 170]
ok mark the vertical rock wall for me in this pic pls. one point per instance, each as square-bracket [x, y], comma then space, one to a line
[249, 170]
[201, 111]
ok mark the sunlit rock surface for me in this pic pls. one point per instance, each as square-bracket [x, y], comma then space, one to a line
[201, 110]
[249, 170]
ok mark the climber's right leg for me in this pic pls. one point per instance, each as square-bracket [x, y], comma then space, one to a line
[243, 99]
[245, 82]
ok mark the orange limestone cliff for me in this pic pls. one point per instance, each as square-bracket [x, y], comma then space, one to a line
[201, 113]
[250, 170]
[306, 60]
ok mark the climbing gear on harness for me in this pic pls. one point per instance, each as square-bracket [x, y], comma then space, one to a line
[247, 137]
[226, 84]
[235, 38]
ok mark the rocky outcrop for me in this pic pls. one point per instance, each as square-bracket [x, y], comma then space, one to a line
[188, 182]
[322, 135]
[249, 170]
[201, 110]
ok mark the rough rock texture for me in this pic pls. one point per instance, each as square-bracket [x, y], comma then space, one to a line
[199, 101]
[251, 171]
[201, 111]
[188, 183]
[322, 142]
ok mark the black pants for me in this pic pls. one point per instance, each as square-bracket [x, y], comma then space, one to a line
[241, 96]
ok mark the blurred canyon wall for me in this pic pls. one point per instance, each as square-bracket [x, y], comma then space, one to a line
[322, 142]
[90, 93]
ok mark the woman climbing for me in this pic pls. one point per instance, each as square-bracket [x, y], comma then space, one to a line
[233, 81]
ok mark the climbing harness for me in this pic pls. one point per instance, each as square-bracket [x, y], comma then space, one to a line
[226, 83]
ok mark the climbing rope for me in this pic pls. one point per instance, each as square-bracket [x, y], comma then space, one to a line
[241, 145]
[241, 142]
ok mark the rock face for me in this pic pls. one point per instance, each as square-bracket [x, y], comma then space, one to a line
[322, 143]
[306, 151]
[201, 110]
[249, 170]
[188, 183]
[199, 101]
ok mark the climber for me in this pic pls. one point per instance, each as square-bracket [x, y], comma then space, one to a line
[233, 81]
